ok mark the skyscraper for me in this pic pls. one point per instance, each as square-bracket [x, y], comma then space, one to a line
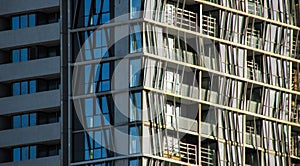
[149, 82]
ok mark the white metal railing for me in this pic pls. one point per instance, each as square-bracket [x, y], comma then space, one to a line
[181, 18]
[188, 152]
[209, 25]
[253, 38]
[207, 156]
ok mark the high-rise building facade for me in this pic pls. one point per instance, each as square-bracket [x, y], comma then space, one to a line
[149, 82]
[30, 82]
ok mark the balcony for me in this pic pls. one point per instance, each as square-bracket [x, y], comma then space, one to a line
[254, 39]
[15, 71]
[182, 123]
[45, 161]
[29, 135]
[16, 6]
[186, 152]
[27, 36]
[181, 18]
[29, 102]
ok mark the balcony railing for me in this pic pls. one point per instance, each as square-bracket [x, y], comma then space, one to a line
[181, 18]
[182, 123]
[209, 25]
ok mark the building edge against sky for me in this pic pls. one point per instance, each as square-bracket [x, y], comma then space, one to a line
[149, 82]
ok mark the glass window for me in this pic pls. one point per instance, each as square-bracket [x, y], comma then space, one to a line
[25, 122]
[135, 106]
[32, 21]
[16, 121]
[32, 152]
[135, 144]
[135, 39]
[32, 119]
[24, 21]
[24, 55]
[135, 72]
[134, 162]
[15, 56]
[16, 154]
[25, 154]
[15, 22]
[32, 86]
[24, 87]
[16, 89]
[135, 8]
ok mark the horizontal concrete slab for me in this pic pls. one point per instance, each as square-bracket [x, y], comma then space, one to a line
[16, 6]
[45, 161]
[36, 101]
[29, 135]
[32, 35]
[32, 68]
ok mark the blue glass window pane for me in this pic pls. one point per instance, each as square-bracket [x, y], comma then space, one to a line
[25, 155]
[88, 107]
[97, 6]
[16, 121]
[15, 56]
[105, 85]
[97, 121]
[135, 106]
[105, 7]
[135, 39]
[97, 53]
[32, 86]
[24, 21]
[104, 52]
[16, 154]
[105, 18]
[24, 87]
[87, 6]
[16, 89]
[97, 153]
[105, 71]
[104, 105]
[134, 162]
[33, 119]
[135, 8]
[15, 22]
[106, 119]
[32, 152]
[25, 122]
[135, 146]
[104, 152]
[135, 67]
[32, 21]
[24, 54]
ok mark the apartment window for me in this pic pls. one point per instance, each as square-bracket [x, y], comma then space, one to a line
[135, 72]
[24, 87]
[135, 106]
[24, 153]
[96, 12]
[96, 143]
[98, 111]
[23, 21]
[135, 9]
[20, 55]
[134, 139]
[24, 120]
[97, 78]
[134, 162]
[135, 39]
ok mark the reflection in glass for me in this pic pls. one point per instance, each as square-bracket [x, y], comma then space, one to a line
[134, 137]
[135, 106]
[135, 8]
[135, 39]
[135, 72]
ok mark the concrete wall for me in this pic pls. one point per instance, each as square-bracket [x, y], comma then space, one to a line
[16, 6]
[45, 161]
[36, 101]
[29, 69]
[32, 35]
[29, 135]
